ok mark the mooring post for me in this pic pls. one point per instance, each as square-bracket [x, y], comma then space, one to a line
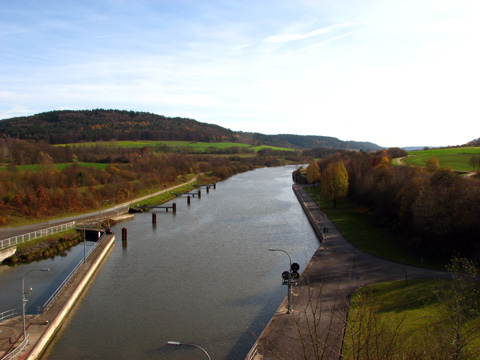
[174, 208]
[154, 218]
[208, 188]
[124, 234]
[188, 199]
[199, 194]
[214, 186]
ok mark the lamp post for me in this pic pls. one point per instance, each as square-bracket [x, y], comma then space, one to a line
[99, 209]
[85, 240]
[24, 300]
[176, 343]
[84, 243]
[289, 294]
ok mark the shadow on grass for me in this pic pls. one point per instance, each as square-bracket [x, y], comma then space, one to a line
[358, 226]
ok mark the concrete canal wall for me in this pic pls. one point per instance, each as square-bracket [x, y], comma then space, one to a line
[66, 300]
[313, 212]
[6, 253]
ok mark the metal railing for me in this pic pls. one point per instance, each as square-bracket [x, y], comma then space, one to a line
[19, 239]
[253, 352]
[70, 276]
[12, 354]
[8, 314]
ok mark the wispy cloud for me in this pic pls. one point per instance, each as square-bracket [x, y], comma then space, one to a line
[319, 43]
[283, 38]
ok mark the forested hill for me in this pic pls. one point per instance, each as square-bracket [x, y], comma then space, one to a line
[68, 126]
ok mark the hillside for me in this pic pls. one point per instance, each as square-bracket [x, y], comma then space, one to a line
[68, 126]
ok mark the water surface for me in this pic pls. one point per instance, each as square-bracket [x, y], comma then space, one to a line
[203, 275]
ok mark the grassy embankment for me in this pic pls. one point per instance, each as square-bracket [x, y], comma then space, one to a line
[457, 159]
[45, 247]
[417, 320]
[167, 195]
[419, 310]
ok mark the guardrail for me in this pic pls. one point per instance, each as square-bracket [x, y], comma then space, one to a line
[19, 239]
[8, 314]
[69, 277]
[253, 352]
[17, 350]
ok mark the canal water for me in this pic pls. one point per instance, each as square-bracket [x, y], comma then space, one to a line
[43, 284]
[203, 275]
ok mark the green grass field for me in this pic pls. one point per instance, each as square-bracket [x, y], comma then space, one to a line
[457, 159]
[58, 166]
[177, 145]
[420, 312]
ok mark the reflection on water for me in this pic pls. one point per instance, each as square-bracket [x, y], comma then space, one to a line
[203, 275]
[43, 283]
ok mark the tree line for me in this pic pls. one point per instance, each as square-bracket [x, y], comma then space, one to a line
[436, 209]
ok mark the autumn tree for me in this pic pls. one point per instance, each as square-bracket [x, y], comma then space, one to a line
[474, 161]
[334, 182]
[313, 172]
[432, 164]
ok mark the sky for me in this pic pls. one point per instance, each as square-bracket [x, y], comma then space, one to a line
[395, 73]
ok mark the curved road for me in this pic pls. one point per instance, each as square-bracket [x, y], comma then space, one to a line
[321, 298]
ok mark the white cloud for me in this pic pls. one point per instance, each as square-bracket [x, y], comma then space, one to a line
[282, 38]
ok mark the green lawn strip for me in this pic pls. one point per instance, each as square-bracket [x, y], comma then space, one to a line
[166, 196]
[419, 308]
[359, 229]
[257, 148]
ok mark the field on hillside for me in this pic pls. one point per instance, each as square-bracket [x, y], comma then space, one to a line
[193, 146]
[58, 166]
[458, 159]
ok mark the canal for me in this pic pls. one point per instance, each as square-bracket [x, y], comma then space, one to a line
[203, 275]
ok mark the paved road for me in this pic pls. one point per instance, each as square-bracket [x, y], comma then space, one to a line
[320, 302]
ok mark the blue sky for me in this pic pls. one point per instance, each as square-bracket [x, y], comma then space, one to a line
[396, 73]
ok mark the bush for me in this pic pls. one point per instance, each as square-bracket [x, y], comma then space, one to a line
[11, 260]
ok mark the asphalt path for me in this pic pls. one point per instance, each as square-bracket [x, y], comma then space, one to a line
[315, 328]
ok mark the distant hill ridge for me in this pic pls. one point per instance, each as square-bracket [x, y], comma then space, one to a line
[71, 126]
[475, 142]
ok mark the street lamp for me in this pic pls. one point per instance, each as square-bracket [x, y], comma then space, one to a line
[85, 240]
[289, 295]
[24, 300]
[176, 343]
[99, 209]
